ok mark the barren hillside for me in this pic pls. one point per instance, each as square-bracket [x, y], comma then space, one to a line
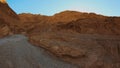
[67, 39]
[87, 40]
[85, 23]
[8, 20]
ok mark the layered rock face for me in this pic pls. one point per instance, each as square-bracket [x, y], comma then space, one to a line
[70, 39]
[8, 19]
[4, 29]
[87, 40]
[84, 23]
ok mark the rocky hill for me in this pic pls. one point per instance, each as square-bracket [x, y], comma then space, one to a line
[9, 20]
[67, 39]
[88, 23]
[87, 40]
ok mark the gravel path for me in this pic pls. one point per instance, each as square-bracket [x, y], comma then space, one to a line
[17, 52]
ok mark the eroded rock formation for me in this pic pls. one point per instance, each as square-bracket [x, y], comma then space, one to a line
[8, 19]
[86, 40]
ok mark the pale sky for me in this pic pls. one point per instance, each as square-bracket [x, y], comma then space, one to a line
[50, 7]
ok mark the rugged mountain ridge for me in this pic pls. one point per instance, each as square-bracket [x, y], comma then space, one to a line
[88, 23]
[85, 40]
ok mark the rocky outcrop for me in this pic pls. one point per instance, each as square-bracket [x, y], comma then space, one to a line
[77, 39]
[8, 18]
[83, 50]
[4, 29]
[86, 40]
[85, 23]
[105, 26]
